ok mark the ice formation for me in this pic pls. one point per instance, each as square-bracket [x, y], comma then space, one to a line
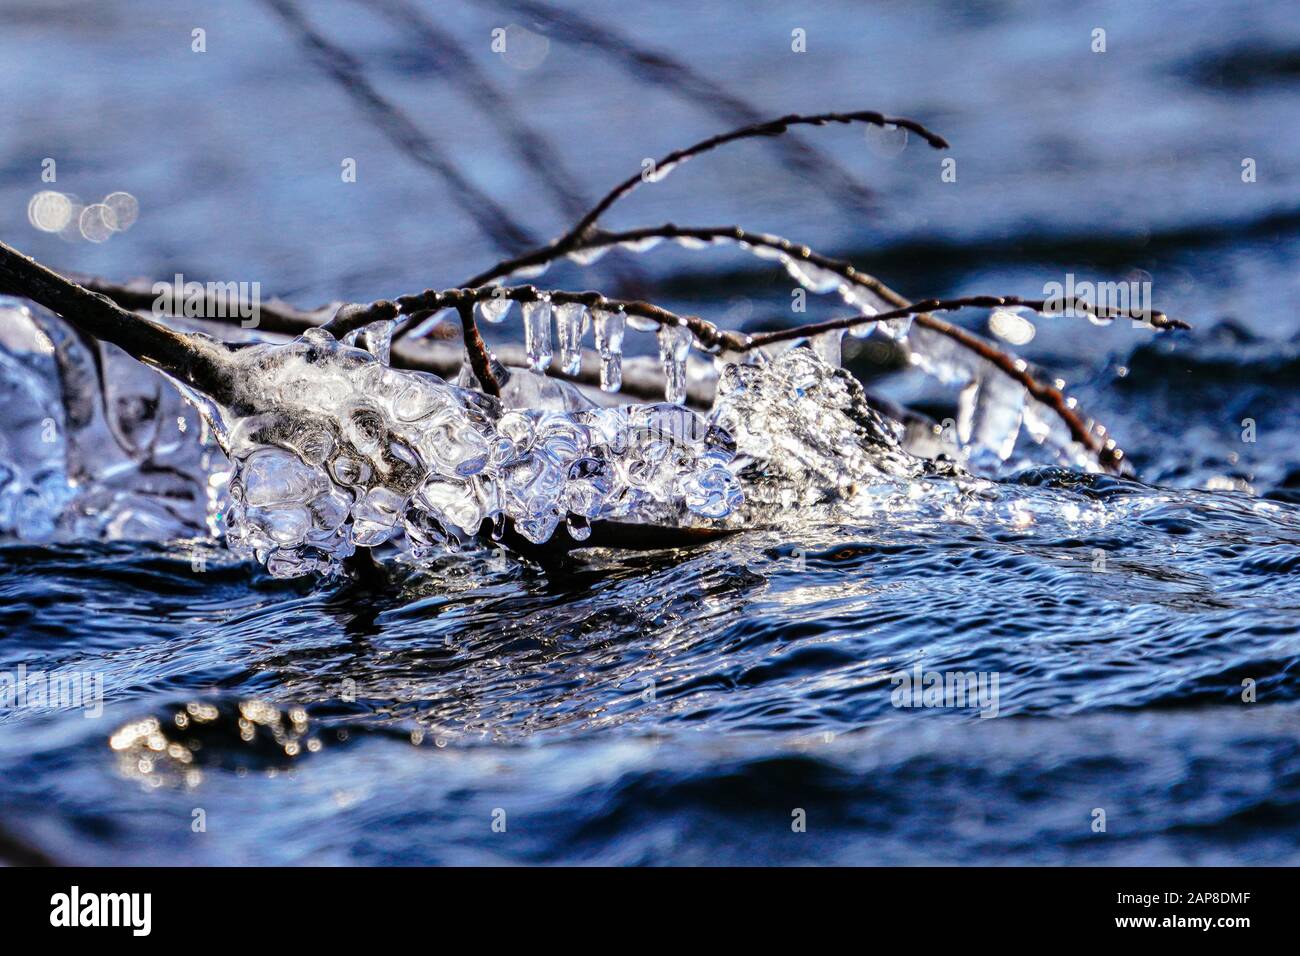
[81, 462]
[344, 451]
[331, 449]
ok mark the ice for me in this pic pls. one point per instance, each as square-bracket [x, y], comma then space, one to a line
[571, 324]
[403, 456]
[376, 338]
[537, 333]
[609, 343]
[674, 346]
[827, 346]
[642, 245]
[804, 436]
[589, 255]
[942, 357]
[990, 411]
[639, 323]
[494, 309]
[331, 449]
[811, 276]
[80, 462]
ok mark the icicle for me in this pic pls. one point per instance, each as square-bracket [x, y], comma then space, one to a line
[827, 346]
[896, 329]
[938, 355]
[532, 272]
[764, 252]
[537, 333]
[609, 342]
[571, 324]
[991, 410]
[495, 309]
[674, 346]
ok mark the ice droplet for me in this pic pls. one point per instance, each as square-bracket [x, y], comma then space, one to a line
[495, 309]
[609, 342]
[571, 323]
[537, 333]
[639, 323]
[866, 302]
[642, 245]
[674, 346]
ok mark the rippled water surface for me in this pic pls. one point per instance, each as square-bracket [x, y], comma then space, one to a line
[697, 706]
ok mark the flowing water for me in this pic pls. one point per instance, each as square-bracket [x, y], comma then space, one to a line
[1132, 644]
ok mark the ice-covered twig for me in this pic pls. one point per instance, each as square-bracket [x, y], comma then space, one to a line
[1157, 320]
[194, 361]
[803, 258]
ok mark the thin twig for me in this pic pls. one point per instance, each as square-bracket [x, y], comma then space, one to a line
[1042, 306]
[572, 239]
[479, 359]
[1090, 438]
[657, 68]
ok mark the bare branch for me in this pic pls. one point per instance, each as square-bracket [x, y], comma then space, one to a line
[573, 238]
[1042, 306]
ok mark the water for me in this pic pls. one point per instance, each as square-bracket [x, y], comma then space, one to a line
[685, 705]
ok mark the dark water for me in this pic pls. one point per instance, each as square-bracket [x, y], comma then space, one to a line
[683, 707]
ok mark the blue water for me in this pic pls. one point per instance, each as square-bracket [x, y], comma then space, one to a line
[698, 706]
